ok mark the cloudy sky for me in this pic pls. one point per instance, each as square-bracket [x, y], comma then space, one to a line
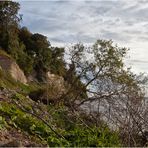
[64, 22]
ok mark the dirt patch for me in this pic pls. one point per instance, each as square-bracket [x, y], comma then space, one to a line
[15, 138]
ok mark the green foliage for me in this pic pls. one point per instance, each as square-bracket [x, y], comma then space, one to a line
[57, 65]
[41, 52]
[8, 13]
[46, 94]
[2, 122]
[9, 30]
[44, 57]
[31, 51]
[75, 133]
[9, 21]
[79, 135]
[25, 37]
[25, 62]
[83, 137]
[22, 120]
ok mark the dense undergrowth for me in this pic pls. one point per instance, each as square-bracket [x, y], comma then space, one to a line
[52, 124]
[68, 129]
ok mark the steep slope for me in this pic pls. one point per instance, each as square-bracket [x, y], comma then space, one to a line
[26, 122]
[13, 129]
[10, 66]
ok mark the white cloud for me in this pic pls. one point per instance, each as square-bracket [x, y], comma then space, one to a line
[125, 22]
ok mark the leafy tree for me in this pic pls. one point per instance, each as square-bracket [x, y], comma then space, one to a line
[38, 49]
[116, 92]
[25, 62]
[57, 65]
[8, 13]
[31, 51]
[9, 29]
[41, 53]
[25, 37]
[45, 57]
[9, 21]
[104, 77]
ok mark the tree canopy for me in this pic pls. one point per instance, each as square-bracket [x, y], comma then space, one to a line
[9, 22]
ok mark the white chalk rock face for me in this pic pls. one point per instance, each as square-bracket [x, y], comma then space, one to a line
[10, 66]
[56, 82]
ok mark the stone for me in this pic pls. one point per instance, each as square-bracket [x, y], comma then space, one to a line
[9, 65]
[56, 82]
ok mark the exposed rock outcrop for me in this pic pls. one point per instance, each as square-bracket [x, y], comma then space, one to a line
[54, 89]
[10, 66]
[56, 82]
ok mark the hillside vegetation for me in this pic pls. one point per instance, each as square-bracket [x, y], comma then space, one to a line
[51, 106]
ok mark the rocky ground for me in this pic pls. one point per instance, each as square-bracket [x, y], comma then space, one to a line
[12, 137]
[15, 137]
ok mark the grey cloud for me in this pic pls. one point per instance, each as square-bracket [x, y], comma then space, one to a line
[56, 39]
[124, 22]
[133, 32]
[139, 61]
[66, 17]
[129, 22]
[115, 36]
[85, 38]
[73, 38]
[143, 38]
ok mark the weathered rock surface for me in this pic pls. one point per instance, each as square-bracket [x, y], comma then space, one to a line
[56, 82]
[10, 66]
